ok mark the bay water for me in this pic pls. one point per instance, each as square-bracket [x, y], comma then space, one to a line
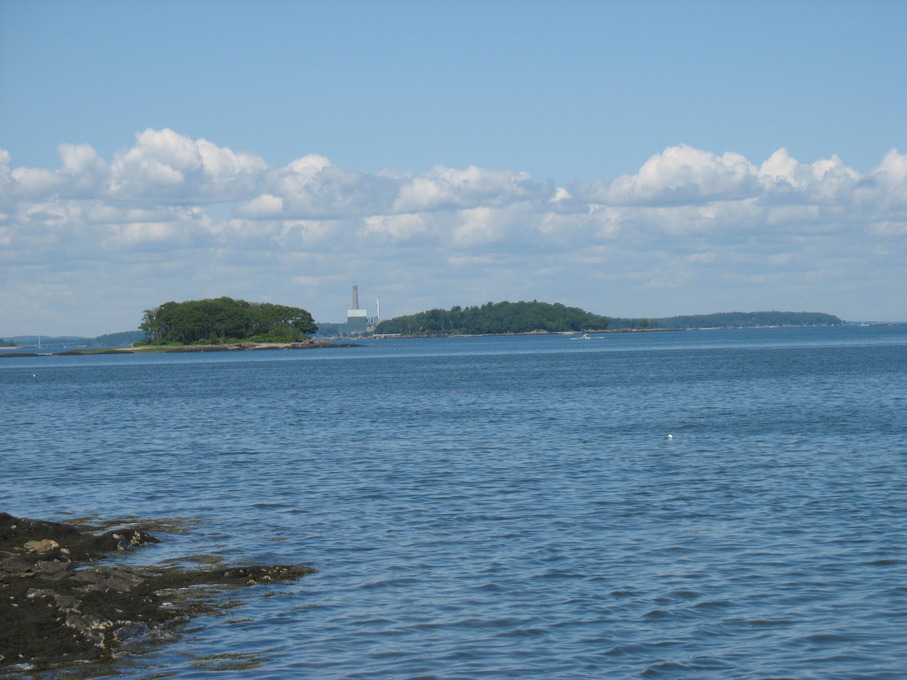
[506, 507]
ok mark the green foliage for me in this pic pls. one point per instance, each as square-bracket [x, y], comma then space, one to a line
[495, 318]
[748, 320]
[124, 339]
[335, 330]
[225, 320]
[526, 317]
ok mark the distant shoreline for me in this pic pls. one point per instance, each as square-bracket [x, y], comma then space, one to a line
[165, 349]
[322, 344]
[611, 331]
[393, 336]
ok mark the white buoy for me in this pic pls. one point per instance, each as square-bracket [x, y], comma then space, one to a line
[670, 436]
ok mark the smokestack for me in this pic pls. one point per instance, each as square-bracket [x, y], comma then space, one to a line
[355, 297]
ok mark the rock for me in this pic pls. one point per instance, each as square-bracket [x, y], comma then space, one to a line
[15, 565]
[121, 540]
[50, 566]
[57, 612]
[41, 546]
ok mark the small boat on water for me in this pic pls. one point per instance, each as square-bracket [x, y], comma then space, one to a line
[584, 336]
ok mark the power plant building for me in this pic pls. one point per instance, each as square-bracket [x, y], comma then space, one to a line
[356, 319]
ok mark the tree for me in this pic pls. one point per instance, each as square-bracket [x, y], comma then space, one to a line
[496, 318]
[225, 319]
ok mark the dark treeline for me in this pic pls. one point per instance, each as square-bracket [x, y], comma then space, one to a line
[747, 320]
[496, 317]
[225, 320]
[527, 317]
[124, 339]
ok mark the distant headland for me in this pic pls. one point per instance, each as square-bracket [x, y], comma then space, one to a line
[225, 324]
[214, 325]
[542, 317]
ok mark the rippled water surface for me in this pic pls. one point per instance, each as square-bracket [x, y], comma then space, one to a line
[503, 507]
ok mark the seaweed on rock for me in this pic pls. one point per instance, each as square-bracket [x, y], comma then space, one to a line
[62, 608]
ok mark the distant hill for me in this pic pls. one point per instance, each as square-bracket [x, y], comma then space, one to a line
[747, 320]
[334, 330]
[726, 320]
[35, 340]
[528, 317]
[125, 339]
[109, 340]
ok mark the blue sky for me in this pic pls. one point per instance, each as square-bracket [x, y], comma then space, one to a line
[630, 158]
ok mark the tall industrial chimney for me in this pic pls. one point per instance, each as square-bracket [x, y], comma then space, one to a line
[356, 319]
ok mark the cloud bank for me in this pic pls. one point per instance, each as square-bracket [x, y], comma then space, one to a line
[691, 231]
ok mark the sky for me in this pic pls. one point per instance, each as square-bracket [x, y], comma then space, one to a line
[635, 158]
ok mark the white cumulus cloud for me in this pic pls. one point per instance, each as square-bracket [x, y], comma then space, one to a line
[687, 220]
[681, 175]
[167, 166]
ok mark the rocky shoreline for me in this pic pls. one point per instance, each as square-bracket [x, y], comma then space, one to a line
[61, 607]
[162, 349]
[236, 347]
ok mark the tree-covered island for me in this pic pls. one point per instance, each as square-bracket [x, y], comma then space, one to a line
[496, 318]
[225, 320]
[746, 320]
